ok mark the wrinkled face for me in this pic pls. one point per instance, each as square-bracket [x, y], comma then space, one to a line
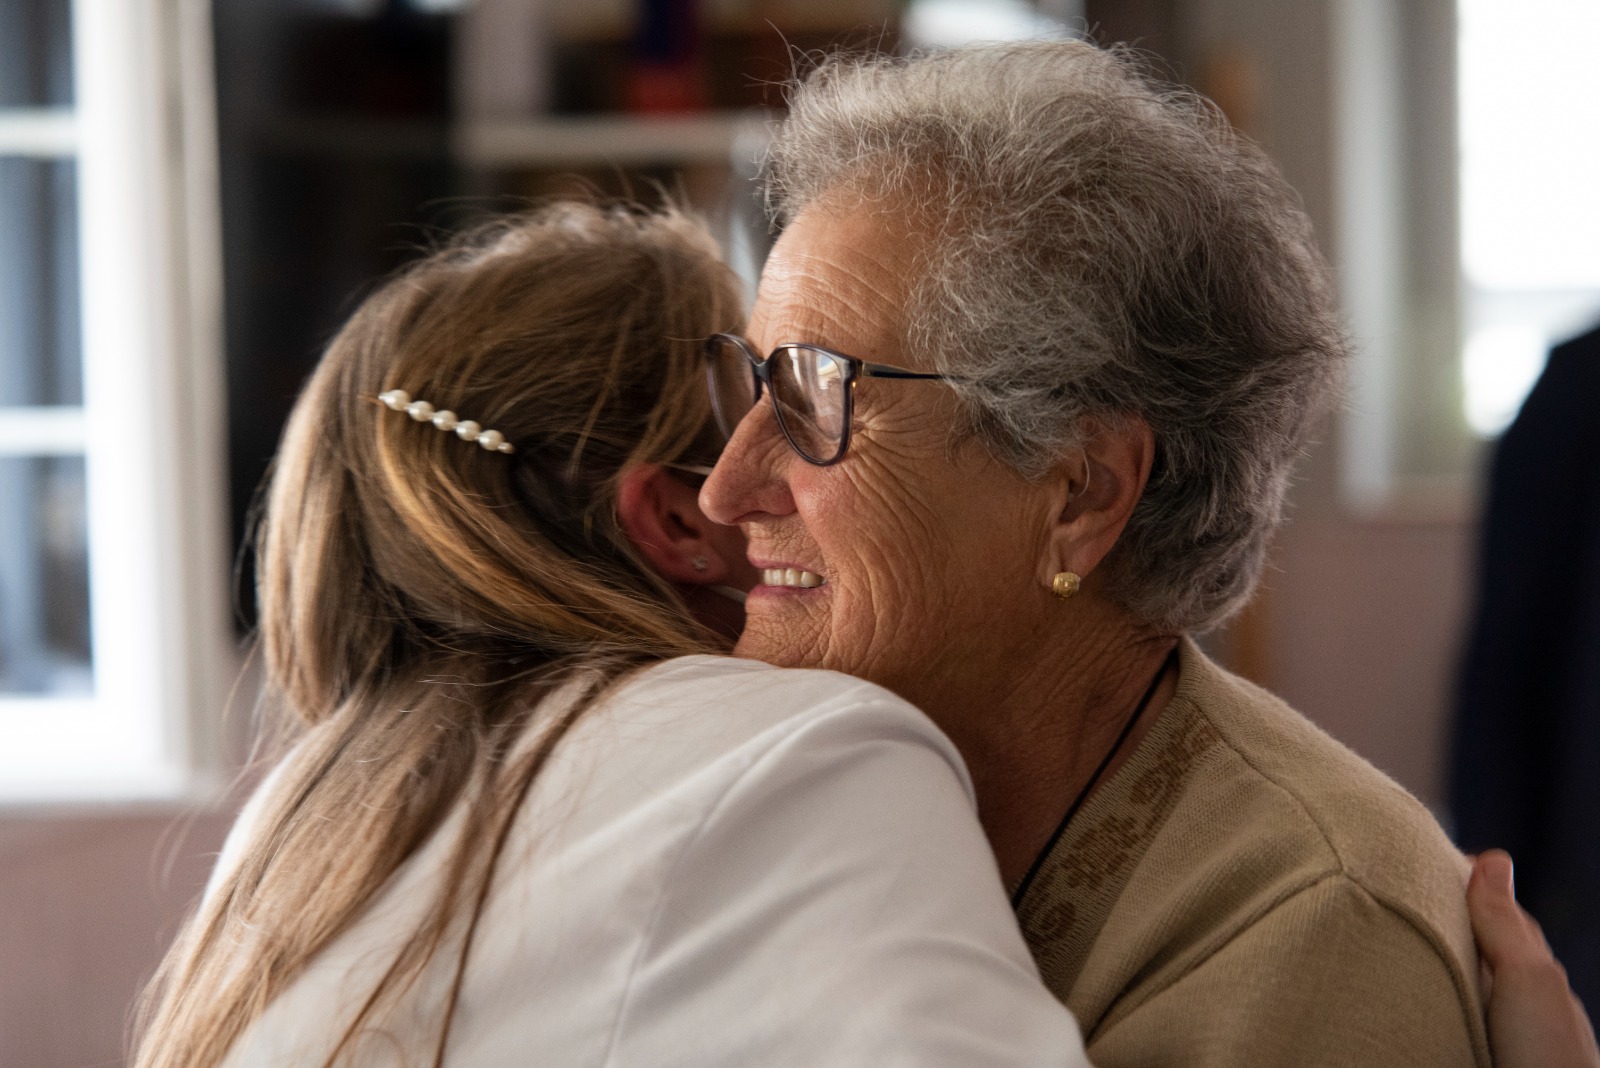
[926, 553]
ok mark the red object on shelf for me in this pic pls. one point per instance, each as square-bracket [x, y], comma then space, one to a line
[661, 88]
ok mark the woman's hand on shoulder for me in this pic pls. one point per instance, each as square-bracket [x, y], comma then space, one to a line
[1535, 1021]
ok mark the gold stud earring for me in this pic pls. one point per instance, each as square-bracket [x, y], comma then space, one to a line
[1065, 584]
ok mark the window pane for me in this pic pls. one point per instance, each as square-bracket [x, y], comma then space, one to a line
[1530, 220]
[35, 53]
[40, 358]
[44, 576]
[1530, 145]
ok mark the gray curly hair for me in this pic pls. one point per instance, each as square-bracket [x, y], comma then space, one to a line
[1100, 246]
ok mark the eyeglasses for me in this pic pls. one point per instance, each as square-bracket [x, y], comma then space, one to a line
[697, 473]
[812, 390]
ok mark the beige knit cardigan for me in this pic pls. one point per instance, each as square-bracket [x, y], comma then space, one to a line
[1246, 892]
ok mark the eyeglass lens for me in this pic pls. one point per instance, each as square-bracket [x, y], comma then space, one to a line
[733, 382]
[808, 392]
[808, 389]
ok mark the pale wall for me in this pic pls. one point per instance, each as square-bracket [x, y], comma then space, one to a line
[87, 904]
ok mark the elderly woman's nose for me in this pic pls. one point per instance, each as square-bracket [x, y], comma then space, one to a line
[747, 479]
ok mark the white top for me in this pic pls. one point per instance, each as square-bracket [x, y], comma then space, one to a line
[724, 864]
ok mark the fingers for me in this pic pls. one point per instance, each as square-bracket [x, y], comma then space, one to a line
[1493, 867]
[1535, 1021]
[1507, 936]
[1510, 941]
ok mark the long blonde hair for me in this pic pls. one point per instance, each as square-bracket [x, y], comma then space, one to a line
[419, 594]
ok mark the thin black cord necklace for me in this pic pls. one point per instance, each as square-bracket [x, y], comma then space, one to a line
[1083, 795]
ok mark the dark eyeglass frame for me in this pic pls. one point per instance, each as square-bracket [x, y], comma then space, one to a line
[761, 372]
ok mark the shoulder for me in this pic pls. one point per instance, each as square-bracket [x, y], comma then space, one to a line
[798, 844]
[1295, 824]
[699, 709]
[764, 695]
[1233, 780]
[674, 741]
[1555, 416]
[1300, 785]
[1577, 360]
[1361, 815]
[834, 861]
[1237, 824]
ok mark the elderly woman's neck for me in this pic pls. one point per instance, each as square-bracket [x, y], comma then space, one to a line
[1060, 713]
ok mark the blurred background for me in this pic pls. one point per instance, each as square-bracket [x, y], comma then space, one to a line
[194, 194]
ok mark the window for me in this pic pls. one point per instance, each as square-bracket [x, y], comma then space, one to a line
[1530, 213]
[1466, 140]
[1406, 450]
[114, 638]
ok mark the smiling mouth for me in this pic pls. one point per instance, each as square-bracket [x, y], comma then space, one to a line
[791, 577]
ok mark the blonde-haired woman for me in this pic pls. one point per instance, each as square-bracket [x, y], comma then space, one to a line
[525, 818]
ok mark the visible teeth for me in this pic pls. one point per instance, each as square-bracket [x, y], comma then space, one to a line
[790, 576]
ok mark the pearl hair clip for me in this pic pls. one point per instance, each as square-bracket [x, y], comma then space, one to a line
[399, 400]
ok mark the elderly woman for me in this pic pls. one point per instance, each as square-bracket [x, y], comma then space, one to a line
[1043, 341]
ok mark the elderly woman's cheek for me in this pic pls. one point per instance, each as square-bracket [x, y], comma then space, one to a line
[934, 562]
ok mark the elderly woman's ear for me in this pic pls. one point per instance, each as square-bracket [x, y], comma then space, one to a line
[1098, 486]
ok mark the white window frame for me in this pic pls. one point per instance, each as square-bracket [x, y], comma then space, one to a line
[1406, 453]
[151, 427]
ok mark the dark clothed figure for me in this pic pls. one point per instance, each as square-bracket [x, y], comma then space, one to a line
[1526, 768]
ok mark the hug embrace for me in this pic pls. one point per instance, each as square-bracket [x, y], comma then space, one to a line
[1011, 419]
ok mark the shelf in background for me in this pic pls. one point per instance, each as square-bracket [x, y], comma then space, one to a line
[620, 140]
[717, 137]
